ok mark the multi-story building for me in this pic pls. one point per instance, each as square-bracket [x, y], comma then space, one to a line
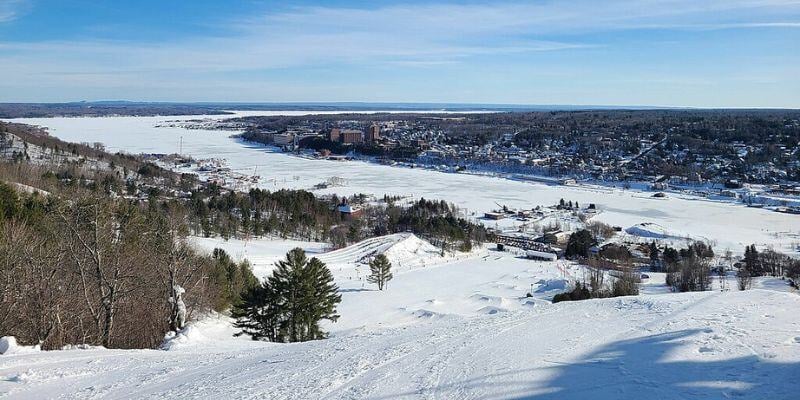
[373, 133]
[335, 135]
[351, 136]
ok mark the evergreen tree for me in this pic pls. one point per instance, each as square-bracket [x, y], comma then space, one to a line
[321, 298]
[654, 254]
[258, 314]
[579, 243]
[290, 304]
[751, 260]
[381, 271]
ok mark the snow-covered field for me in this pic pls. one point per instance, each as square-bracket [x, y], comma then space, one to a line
[458, 329]
[453, 326]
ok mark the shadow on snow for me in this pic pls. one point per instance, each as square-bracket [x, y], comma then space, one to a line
[638, 368]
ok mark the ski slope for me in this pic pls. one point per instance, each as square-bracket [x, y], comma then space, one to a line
[456, 327]
[686, 346]
[406, 251]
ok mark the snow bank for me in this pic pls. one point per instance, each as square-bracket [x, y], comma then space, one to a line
[186, 337]
[547, 285]
[651, 230]
[9, 345]
[207, 331]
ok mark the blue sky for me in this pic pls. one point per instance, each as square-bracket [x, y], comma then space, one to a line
[712, 53]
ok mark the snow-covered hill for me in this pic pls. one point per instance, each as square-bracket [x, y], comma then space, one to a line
[699, 345]
[456, 327]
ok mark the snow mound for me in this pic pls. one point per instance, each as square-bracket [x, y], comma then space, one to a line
[652, 230]
[491, 310]
[9, 345]
[186, 337]
[528, 302]
[405, 251]
[547, 285]
[485, 298]
[208, 330]
[22, 377]
[426, 314]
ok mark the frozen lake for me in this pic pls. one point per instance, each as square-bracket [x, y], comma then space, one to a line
[726, 224]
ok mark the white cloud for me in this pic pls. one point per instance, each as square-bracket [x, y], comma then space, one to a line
[423, 36]
[12, 9]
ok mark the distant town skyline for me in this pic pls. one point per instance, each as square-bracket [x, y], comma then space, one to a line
[672, 53]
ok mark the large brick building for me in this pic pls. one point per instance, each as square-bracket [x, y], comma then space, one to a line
[373, 133]
[350, 136]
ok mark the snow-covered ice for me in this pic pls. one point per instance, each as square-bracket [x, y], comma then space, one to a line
[728, 225]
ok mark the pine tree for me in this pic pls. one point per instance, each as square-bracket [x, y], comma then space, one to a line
[579, 243]
[321, 298]
[655, 256]
[290, 304]
[751, 260]
[381, 271]
[258, 314]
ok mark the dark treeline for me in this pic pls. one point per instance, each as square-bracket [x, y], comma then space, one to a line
[98, 109]
[299, 214]
[436, 221]
[286, 213]
[767, 262]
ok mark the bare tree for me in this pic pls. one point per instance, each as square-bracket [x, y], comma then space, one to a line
[744, 278]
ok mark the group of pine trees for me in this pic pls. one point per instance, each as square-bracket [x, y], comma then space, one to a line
[437, 221]
[580, 243]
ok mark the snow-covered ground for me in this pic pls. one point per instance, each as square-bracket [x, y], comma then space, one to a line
[728, 225]
[455, 327]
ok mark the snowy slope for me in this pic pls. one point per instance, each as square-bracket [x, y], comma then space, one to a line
[454, 326]
[406, 252]
[699, 345]
[458, 328]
